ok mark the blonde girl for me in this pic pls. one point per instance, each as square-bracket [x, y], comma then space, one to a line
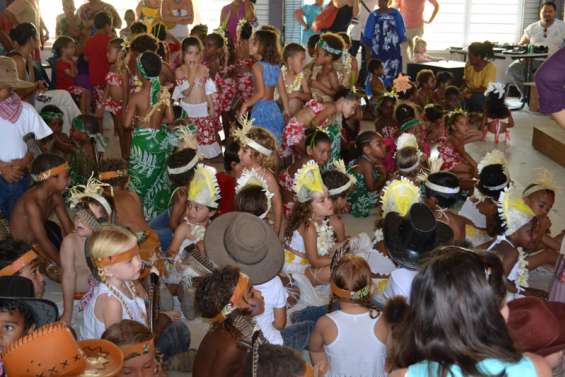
[114, 259]
[258, 152]
[309, 238]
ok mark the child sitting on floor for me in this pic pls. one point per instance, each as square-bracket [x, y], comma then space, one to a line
[30, 218]
[444, 79]
[297, 89]
[453, 99]
[91, 207]
[410, 161]
[374, 85]
[426, 81]
[355, 336]
[90, 147]
[497, 118]
[58, 143]
[339, 184]
[435, 123]
[369, 172]
[277, 361]
[253, 195]
[324, 81]
[18, 258]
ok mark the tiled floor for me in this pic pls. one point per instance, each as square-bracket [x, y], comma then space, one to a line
[523, 160]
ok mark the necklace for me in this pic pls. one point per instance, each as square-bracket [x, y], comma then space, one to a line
[120, 296]
[325, 240]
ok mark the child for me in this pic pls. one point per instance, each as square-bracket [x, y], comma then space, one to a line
[517, 233]
[94, 48]
[264, 110]
[253, 195]
[410, 162]
[420, 55]
[116, 264]
[151, 108]
[497, 118]
[311, 114]
[203, 196]
[374, 85]
[355, 336]
[91, 208]
[453, 98]
[297, 89]
[258, 152]
[30, 218]
[339, 184]
[344, 108]
[426, 82]
[129, 18]
[441, 193]
[347, 67]
[243, 65]
[369, 172]
[324, 82]
[444, 79]
[407, 116]
[199, 31]
[18, 258]
[309, 237]
[90, 146]
[66, 71]
[316, 146]
[116, 92]
[59, 142]
[277, 361]
[435, 123]
[196, 91]
[230, 301]
[180, 168]
[227, 178]
[452, 150]
[138, 346]
[385, 122]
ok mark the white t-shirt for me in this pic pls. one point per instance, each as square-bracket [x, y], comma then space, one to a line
[359, 27]
[553, 37]
[11, 134]
[400, 283]
[275, 295]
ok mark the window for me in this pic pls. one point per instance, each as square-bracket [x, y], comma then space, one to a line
[461, 22]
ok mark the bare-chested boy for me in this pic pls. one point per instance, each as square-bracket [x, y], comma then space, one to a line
[30, 219]
[91, 208]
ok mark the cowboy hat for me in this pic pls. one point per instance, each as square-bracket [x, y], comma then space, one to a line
[536, 325]
[18, 288]
[409, 239]
[247, 242]
[53, 351]
[9, 75]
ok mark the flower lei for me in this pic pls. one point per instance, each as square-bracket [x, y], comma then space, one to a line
[325, 240]
[523, 273]
[197, 232]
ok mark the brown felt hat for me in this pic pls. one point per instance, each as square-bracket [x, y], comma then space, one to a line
[9, 75]
[536, 325]
[247, 242]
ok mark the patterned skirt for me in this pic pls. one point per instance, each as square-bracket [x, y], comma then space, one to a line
[150, 149]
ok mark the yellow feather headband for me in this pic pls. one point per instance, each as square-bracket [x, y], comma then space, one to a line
[204, 188]
[339, 166]
[399, 195]
[308, 181]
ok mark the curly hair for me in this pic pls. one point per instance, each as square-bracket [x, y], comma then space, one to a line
[264, 138]
[301, 213]
[215, 291]
[334, 179]
[269, 46]
[335, 41]
[353, 273]
[115, 164]
[276, 361]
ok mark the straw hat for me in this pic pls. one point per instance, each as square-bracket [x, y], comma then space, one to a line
[53, 351]
[9, 75]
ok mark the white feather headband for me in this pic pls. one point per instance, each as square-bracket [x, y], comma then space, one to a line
[252, 178]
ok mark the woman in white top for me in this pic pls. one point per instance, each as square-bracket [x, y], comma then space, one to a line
[351, 340]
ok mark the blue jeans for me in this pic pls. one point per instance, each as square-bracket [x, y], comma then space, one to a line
[160, 224]
[10, 193]
[297, 335]
[173, 340]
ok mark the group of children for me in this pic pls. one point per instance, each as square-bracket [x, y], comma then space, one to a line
[261, 248]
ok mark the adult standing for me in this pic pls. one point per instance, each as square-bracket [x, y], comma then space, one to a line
[366, 7]
[550, 83]
[384, 33]
[177, 14]
[346, 10]
[234, 12]
[305, 16]
[149, 12]
[20, 11]
[548, 31]
[88, 10]
[413, 14]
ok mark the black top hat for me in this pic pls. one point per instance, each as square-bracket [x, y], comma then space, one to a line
[18, 288]
[409, 239]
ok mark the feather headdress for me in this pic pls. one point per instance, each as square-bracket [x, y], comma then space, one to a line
[399, 195]
[308, 182]
[339, 166]
[513, 211]
[252, 178]
[543, 181]
[94, 190]
[494, 157]
[204, 188]
[241, 135]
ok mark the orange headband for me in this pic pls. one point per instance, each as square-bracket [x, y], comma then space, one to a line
[19, 263]
[344, 293]
[140, 348]
[107, 175]
[117, 258]
[51, 172]
[239, 290]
